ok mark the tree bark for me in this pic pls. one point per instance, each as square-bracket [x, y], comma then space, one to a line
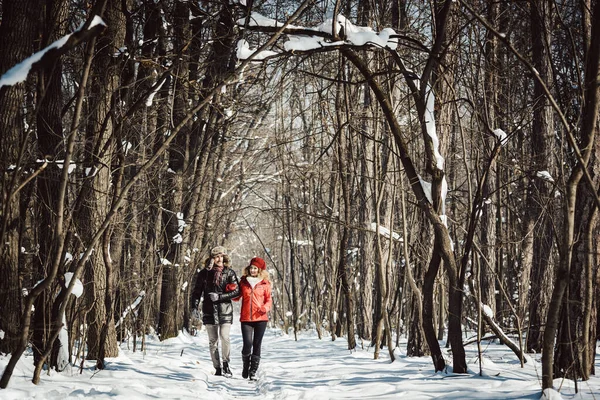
[17, 32]
[537, 225]
[95, 199]
[49, 133]
[589, 119]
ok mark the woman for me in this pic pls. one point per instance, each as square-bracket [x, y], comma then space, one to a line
[255, 290]
[217, 284]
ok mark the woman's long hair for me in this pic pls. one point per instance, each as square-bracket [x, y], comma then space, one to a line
[262, 273]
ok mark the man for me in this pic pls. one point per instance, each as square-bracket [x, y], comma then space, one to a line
[217, 284]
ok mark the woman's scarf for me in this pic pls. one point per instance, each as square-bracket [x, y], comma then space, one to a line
[253, 280]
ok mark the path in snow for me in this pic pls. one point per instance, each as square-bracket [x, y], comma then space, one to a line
[180, 368]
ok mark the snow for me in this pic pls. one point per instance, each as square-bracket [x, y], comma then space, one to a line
[126, 146]
[430, 126]
[96, 21]
[132, 307]
[180, 368]
[427, 189]
[305, 43]
[150, 98]
[164, 261]
[257, 19]
[487, 310]
[443, 195]
[244, 51]
[359, 35]
[77, 288]
[91, 171]
[501, 135]
[310, 368]
[60, 164]
[178, 238]
[63, 343]
[298, 242]
[19, 72]
[180, 222]
[545, 175]
[385, 232]
[353, 35]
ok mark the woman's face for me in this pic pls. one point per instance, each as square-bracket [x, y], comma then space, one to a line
[253, 270]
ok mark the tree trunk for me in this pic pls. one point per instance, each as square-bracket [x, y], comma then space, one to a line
[574, 352]
[49, 124]
[417, 342]
[346, 289]
[537, 224]
[17, 32]
[587, 131]
[95, 200]
[487, 267]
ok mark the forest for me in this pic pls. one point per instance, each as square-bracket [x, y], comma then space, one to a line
[407, 168]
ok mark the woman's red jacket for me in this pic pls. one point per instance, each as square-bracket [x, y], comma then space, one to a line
[256, 302]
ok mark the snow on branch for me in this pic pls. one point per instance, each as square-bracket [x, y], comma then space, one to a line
[77, 288]
[426, 189]
[385, 232]
[132, 307]
[545, 175]
[430, 127]
[501, 135]
[313, 38]
[19, 72]
[244, 51]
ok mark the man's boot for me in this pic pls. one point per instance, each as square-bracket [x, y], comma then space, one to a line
[218, 372]
[226, 370]
[254, 361]
[246, 365]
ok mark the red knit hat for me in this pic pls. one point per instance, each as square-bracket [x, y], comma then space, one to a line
[258, 262]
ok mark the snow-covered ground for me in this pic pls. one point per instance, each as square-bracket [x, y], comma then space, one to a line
[309, 368]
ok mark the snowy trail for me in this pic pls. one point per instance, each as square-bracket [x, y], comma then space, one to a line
[309, 368]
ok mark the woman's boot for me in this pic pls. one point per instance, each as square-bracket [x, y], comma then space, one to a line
[246, 365]
[254, 361]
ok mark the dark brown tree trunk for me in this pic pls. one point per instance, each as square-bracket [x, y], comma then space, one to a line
[586, 137]
[171, 316]
[346, 290]
[366, 302]
[17, 32]
[574, 352]
[50, 139]
[96, 194]
[537, 224]
[417, 342]
[443, 80]
[141, 241]
[158, 122]
[487, 264]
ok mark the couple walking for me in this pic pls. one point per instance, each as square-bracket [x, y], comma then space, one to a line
[217, 284]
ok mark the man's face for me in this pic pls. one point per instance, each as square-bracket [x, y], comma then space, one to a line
[218, 260]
